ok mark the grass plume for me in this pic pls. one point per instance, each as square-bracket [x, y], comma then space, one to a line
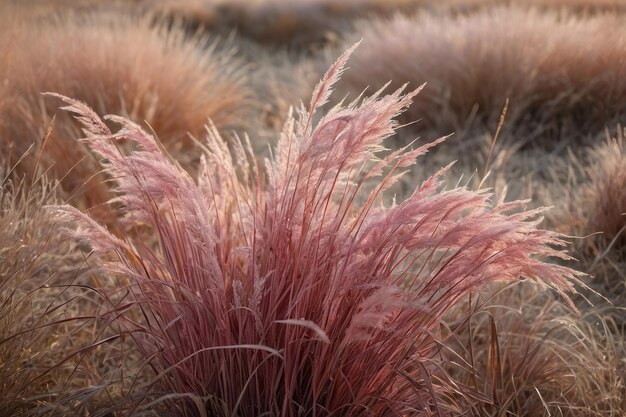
[297, 289]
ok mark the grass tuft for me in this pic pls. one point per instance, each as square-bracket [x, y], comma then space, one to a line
[149, 72]
[297, 289]
[591, 200]
[563, 74]
[49, 358]
[523, 353]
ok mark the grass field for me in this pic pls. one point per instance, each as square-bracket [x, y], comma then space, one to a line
[313, 208]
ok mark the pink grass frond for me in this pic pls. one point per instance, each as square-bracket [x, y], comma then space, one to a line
[323, 90]
[84, 114]
[90, 231]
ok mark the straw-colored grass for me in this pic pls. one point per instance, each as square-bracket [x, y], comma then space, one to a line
[281, 22]
[153, 74]
[564, 74]
[590, 202]
[600, 205]
[50, 360]
[309, 23]
[524, 354]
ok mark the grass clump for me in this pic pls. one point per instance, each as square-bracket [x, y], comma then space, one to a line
[50, 361]
[563, 74]
[603, 195]
[146, 71]
[311, 23]
[591, 204]
[273, 22]
[297, 290]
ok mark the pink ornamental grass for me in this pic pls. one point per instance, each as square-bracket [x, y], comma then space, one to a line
[302, 294]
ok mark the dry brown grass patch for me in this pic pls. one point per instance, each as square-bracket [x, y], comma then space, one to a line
[590, 199]
[50, 360]
[527, 354]
[563, 74]
[118, 65]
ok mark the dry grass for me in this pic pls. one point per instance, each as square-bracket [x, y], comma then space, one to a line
[255, 339]
[563, 74]
[279, 81]
[601, 201]
[522, 353]
[305, 22]
[47, 8]
[585, 7]
[310, 22]
[53, 360]
[590, 199]
[127, 66]
[578, 6]
[301, 22]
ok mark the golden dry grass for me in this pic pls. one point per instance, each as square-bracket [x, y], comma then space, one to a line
[589, 195]
[602, 198]
[154, 75]
[565, 75]
[524, 353]
[314, 22]
[280, 22]
[48, 361]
